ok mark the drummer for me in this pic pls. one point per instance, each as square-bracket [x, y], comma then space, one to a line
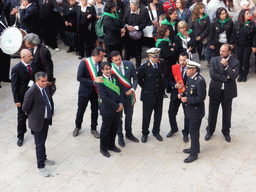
[5, 59]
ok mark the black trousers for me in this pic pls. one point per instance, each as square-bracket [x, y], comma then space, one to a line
[84, 37]
[48, 33]
[82, 104]
[154, 103]
[5, 66]
[213, 113]
[22, 127]
[255, 61]
[200, 46]
[40, 138]
[173, 110]
[243, 55]
[194, 127]
[133, 47]
[110, 48]
[108, 131]
[128, 111]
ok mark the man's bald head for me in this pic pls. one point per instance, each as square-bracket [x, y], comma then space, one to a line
[26, 56]
[225, 51]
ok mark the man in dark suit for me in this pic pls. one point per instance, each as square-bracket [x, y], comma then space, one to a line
[42, 59]
[88, 72]
[111, 106]
[193, 98]
[21, 80]
[46, 16]
[38, 107]
[125, 72]
[178, 81]
[29, 16]
[224, 70]
[152, 82]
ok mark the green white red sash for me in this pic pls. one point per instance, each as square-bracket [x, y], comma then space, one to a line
[178, 76]
[124, 81]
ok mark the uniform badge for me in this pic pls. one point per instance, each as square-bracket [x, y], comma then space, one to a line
[126, 67]
[191, 91]
[217, 28]
[195, 78]
[148, 63]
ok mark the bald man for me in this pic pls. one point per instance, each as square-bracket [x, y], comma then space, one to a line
[21, 80]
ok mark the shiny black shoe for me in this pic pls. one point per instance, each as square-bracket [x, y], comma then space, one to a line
[165, 96]
[121, 141]
[105, 153]
[131, 137]
[20, 142]
[207, 137]
[144, 138]
[239, 79]
[158, 137]
[190, 159]
[185, 138]
[244, 79]
[115, 149]
[187, 151]
[171, 133]
[227, 138]
[80, 57]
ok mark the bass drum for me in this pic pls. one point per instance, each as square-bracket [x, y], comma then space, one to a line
[12, 40]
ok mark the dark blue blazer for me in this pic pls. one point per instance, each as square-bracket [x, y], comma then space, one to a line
[110, 99]
[19, 81]
[86, 88]
[130, 73]
[29, 19]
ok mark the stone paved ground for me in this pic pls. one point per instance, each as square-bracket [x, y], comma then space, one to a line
[154, 166]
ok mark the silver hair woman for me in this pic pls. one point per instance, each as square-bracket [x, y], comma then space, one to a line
[32, 38]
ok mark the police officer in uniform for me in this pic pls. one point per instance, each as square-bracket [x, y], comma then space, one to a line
[193, 98]
[152, 82]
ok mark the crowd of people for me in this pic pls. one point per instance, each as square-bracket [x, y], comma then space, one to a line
[179, 36]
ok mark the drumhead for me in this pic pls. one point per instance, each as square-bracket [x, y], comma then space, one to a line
[11, 40]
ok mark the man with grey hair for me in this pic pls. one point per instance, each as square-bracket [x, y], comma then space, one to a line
[42, 56]
[39, 109]
[22, 75]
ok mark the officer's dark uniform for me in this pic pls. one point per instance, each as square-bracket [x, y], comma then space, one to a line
[194, 109]
[152, 83]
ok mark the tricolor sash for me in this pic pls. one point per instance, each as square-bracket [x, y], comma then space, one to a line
[178, 76]
[124, 81]
[111, 85]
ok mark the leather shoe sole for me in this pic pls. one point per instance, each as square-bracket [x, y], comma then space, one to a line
[190, 159]
[158, 137]
[121, 142]
[185, 138]
[105, 153]
[20, 142]
[144, 138]
[171, 133]
[207, 137]
[227, 138]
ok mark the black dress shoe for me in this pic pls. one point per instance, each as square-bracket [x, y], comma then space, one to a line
[144, 138]
[244, 79]
[190, 159]
[207, 137]
[165, 96]
[185, 138]
[239, 79]
[227, 138]
[105, 153]
[115, 149]
[131, 137]
[187, 151]
[20, 142]
[121, 141]
[158, 137]
[80, 57]
[171, 133]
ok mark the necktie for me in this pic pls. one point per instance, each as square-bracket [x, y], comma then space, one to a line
[120, 69]
[96, 67]
[155, 66]
[109, 79]
[32, 51]
[182, 72]
[29, 70]
[47, 103]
